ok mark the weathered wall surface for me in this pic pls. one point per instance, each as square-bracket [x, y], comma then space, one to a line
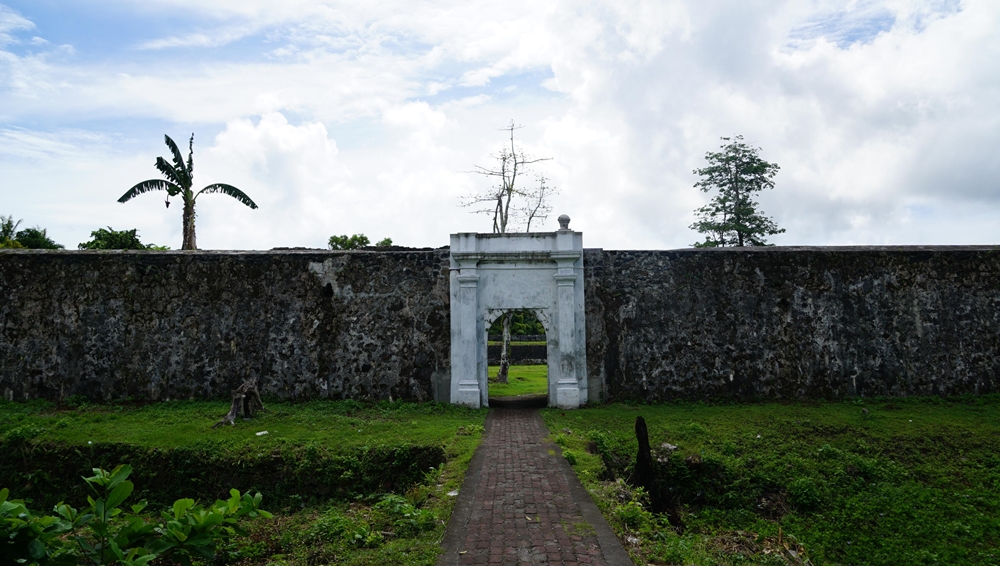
[159, 325]
[786, 323]
[770, 323]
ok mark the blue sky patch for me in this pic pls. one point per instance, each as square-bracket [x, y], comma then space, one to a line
[845, 28]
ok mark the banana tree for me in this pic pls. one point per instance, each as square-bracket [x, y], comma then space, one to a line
[179, 180]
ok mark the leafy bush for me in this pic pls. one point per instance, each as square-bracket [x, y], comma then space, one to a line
[804, 494]
[392, 517]
[356, 242]
[112, 239]
[406, 519]
[570, 456]
[346, 242]
[36, 239]
[633, 516]
[22, 433]
[29, 539]
[104, 533]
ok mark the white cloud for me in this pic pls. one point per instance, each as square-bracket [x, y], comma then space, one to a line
[215, 38]
[884, 116]
[11, 21]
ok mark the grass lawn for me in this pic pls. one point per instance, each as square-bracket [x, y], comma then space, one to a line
[343, 424]
[891, 481]
[525, 343]
[349, 482]
[521, 380]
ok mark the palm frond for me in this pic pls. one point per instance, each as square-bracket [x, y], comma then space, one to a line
[178, 160]
[170, 172]
[229, 190]
[145, 187]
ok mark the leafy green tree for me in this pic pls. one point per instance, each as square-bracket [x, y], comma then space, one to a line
[8, 230]
[346, 242]
[732, 217]
[522, 322]
[36, 239]
[179, 181]
[112, 239]
[356, 242]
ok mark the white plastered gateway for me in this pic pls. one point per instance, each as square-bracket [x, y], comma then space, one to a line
[495, 273]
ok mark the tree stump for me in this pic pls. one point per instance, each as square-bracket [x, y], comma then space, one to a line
[246, 403]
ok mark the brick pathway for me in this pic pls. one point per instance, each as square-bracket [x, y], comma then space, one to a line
[521, 504]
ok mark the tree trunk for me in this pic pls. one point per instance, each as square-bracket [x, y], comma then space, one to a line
[246, 403]
[505, 351]
[189, 242]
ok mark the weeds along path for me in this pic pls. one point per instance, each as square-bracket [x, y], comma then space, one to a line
[521, 503]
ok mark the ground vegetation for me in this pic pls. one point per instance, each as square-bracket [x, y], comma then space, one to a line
[347, 482]
[522, 380]
[862, 481]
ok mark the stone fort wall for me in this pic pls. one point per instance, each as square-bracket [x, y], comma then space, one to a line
[791, 323]
[159, 325]
[765, 323]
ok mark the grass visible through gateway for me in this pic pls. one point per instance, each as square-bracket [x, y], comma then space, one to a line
[522, 380]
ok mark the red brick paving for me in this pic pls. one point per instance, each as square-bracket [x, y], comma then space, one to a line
[523, 511]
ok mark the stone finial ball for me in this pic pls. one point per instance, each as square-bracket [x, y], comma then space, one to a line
[564, 222]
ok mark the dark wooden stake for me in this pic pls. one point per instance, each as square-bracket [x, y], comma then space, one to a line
[644, 459]
[246, 403]
[645, 477]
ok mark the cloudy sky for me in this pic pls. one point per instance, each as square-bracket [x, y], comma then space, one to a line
[345, 117]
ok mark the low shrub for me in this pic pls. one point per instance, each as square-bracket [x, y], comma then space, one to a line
[102, 532]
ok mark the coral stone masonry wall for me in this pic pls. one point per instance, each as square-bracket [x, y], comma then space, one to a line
[157, 325]
[742, 324]
[787, 323]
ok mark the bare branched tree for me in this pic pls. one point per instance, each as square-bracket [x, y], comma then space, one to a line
[538, 207]
[511, 164]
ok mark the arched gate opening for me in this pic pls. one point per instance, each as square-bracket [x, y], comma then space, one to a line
[517, 370]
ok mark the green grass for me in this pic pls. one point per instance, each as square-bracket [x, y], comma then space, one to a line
[912, 481]
[344, 424]
[521, 380]
[322, 467]
[525, 343]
